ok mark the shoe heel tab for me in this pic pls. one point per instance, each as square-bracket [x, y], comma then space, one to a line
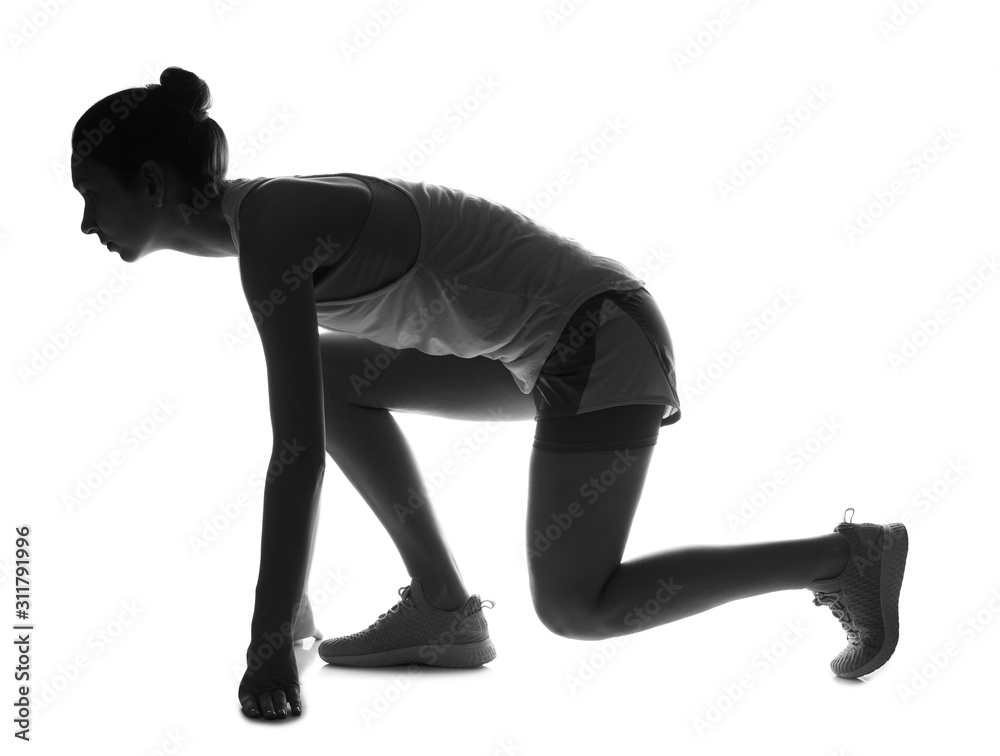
[479, 603]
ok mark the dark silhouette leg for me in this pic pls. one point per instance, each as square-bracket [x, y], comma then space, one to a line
[579, 585]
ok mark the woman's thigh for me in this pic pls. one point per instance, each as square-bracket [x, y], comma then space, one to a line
[408, 380]
[581, 505]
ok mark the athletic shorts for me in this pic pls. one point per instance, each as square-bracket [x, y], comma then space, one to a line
[611, 369]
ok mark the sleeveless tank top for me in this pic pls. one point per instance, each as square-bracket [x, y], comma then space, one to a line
[488, 281]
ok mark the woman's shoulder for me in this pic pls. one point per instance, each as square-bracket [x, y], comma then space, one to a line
[298, 211]
[310, 200]
[313, 192]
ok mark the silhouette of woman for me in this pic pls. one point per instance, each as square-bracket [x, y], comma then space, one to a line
[439, 302]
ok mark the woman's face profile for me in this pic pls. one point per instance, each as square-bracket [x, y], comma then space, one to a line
[117, 215]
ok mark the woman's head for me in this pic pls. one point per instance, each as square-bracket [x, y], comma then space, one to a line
[145, 160]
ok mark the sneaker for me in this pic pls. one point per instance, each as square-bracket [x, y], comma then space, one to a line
[414, 632]
[865, 596]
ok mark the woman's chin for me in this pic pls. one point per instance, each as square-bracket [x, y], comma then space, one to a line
[126, 253]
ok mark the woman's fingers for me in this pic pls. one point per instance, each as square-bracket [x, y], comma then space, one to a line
[249, 703]
[295, 701]
[266, 704]
[272, 704]
[279, 708]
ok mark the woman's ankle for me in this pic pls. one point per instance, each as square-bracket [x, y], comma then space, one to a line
[444, 597]
[836, 557]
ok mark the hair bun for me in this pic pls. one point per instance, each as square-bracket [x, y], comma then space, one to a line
[187, 92]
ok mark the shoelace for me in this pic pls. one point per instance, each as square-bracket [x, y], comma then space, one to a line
[405, 602]
[840, 611]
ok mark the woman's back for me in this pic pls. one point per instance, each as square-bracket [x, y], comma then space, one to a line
[448, 272]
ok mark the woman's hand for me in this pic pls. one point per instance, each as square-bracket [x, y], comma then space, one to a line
[267, 689]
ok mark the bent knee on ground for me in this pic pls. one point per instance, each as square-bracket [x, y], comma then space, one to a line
[570, 616]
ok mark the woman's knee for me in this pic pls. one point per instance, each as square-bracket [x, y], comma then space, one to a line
[568, 614]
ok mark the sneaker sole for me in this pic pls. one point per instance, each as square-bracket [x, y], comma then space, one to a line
[893, 548]
[455, 656]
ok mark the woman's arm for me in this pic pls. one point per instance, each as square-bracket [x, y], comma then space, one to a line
[290, 510]
[284, 310]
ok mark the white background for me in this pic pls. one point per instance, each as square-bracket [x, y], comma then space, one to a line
[896, 76]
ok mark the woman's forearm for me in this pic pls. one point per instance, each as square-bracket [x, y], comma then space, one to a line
[291, 508]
